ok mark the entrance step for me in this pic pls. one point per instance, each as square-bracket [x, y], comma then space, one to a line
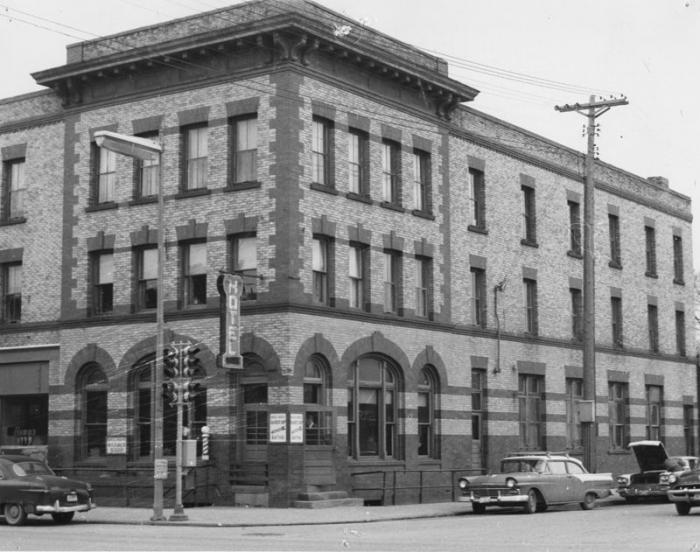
[326, 499]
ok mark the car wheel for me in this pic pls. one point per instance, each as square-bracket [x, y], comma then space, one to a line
[63, 517]
[478, 508]
[588, 501]
[15, 514]
[683, 508]
[530, 506]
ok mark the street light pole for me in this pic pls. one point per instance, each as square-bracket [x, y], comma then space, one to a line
[145, 150]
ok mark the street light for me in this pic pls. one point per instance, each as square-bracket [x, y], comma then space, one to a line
[148, 150]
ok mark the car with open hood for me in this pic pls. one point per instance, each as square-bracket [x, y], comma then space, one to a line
[29, 486]
[535, 481]
[657, 470]
[684, 492]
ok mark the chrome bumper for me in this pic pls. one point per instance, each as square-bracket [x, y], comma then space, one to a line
[500, 500]
[56, 508]
[684, 495]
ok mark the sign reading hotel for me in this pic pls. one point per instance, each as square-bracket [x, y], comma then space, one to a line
[230, 287]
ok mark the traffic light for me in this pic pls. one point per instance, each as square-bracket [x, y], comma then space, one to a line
[191, 367]
[191, 389]
[171, 363]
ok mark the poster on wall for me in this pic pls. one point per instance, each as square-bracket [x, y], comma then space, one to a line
[296, 428]
[278, 427]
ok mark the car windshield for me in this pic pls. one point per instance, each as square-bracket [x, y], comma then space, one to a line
[512, 465]
[23, 469]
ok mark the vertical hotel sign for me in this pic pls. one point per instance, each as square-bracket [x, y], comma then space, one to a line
[230, 287]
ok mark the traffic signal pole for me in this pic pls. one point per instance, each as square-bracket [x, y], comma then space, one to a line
[591, 111]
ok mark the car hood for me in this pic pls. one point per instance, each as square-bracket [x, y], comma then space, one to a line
[651, 455]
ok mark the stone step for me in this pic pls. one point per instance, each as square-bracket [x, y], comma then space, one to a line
[329, 503]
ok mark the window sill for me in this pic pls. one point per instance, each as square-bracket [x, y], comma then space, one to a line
[615, 264]
[679, 282]
[359, 197]
[238, 186]
[651, 275]
[323, 188]
[422, 214]
[478, 229]
[574, 254]
[529, 243]
[106, 206]
[193, 193]
[619, 452]
[16, 220]
[143, 201]
[392, 207]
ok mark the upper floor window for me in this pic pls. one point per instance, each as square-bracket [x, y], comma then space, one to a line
[147, 278]
[103, 278]
[650, 249]
[476, 217]
[575, 228]
[678, 259]
[653, 323]
[12, 292]
[529, 215]
[320, 264]
[392, 271]
[245, 149]
[356, 276]
[147, 173]
[358, 162]
[680, 332]
[15, 189]
[106, 175]
[195, 273]
[614, 234]
[391, 172]
[616, 319]
[421, 181]
[576, 314]
[531, 305]
[478, 276]
[321, 151]
[244, 262]
[423, 277]
[196, 157]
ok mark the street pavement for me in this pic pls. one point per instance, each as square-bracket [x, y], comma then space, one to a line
[225, 516]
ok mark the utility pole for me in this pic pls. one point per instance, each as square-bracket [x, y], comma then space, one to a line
[591, 110]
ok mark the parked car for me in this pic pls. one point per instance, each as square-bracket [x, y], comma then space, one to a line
[535, 481]
[29, 486]
[684, 492]
[656, 471]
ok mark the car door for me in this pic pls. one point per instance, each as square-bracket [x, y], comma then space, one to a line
[577, 481]
[557, 481]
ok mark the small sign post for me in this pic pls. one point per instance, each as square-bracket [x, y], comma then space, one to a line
[160, 468]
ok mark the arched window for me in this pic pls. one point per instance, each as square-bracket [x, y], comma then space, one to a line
[319, 417]
[92, 387]
[255, 405]
[427, 440]
[372, 410]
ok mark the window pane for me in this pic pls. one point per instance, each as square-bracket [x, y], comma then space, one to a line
[149, 265]
[14, 279]
[197, 259]
[106, 269]
[318, 257]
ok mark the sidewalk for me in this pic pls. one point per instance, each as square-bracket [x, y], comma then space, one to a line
[225, 516]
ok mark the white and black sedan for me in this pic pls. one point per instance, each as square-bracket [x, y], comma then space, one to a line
[29, 486]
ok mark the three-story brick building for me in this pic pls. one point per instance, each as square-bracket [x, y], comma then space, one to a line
[412, 267]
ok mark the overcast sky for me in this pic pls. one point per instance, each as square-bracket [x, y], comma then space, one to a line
[525, 56]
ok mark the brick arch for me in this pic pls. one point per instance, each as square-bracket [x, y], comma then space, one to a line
[428, 356]
[91, 353]
[318, 345]
[250, 343]
[377, 344]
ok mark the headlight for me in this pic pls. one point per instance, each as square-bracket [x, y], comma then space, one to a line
[510, 482]
[672, 478]
[463, 483]
[623, 481]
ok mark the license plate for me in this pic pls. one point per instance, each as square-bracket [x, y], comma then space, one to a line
[72, 498]
[485, 500]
